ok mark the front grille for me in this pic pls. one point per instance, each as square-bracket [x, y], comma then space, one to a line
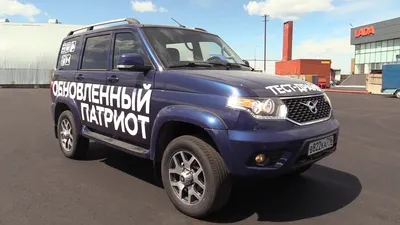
[300, 113]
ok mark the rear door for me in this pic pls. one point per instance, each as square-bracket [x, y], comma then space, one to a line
[67, 64]
[131, 115]
[91, 80]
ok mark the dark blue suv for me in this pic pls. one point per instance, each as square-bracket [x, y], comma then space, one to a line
[185, 100]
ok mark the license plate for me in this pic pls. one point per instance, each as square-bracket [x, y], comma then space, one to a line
[320, 145]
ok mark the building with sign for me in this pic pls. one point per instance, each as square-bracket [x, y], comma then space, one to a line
[376, 44]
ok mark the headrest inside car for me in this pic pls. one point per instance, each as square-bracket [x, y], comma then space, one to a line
[174, 54]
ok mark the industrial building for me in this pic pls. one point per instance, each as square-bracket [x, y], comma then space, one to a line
[28, 51]
[319, 68]
[375, 44]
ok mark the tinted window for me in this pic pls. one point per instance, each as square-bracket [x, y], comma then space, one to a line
[185, 53]
[128, 43]
[210, 49]
[175, 44]
[95, 55]
[69, 54]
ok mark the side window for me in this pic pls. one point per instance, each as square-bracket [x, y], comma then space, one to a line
[69, 54]
[95, 55]
[128, 43]
[185, 53]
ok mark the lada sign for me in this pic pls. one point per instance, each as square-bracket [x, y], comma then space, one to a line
[364, 31]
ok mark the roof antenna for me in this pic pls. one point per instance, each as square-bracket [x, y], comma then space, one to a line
[178, 23]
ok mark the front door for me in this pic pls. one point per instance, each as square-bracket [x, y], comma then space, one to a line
[132, 91]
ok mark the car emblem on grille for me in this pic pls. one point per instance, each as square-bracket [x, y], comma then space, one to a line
[312, 105]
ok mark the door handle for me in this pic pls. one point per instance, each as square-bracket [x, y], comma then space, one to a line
[113, 79]
[79, 77]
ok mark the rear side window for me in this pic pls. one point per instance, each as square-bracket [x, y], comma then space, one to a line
[95, 55]
[69, 54]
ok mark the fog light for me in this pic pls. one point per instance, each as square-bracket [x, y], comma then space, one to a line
[260, 158]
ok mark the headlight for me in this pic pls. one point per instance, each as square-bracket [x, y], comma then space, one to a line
[327, 99]
[260, 108]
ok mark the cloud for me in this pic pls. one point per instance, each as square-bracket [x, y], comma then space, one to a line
[295, 9]
[162, 9]
[338, 50]
[287, 9]
[146, 6]
[16, 8]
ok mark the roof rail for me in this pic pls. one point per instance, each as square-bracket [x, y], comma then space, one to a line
[91, 26]
[197, 28]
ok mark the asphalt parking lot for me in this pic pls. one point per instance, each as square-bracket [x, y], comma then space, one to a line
[359, 184]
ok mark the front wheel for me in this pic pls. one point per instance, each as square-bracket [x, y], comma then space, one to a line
[195, 176]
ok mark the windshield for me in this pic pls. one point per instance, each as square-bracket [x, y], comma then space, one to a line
[174, 46]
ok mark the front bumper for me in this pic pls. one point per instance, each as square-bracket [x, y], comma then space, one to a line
[287, 150]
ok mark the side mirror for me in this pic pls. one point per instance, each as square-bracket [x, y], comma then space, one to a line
[246, 62]
[132, 61]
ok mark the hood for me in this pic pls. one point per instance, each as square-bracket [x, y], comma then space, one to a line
[262, 84]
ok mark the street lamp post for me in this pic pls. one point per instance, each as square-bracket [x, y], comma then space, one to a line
[255, 57]
[265, 42]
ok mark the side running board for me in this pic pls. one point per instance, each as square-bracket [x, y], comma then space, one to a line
[113, 142]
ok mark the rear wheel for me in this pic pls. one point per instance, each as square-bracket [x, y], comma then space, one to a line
[195, 177]
[73, 146]
[397, 94]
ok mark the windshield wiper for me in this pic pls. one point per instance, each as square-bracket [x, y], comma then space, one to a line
[244, 65]
[237, 64]
[190, 64]
[226, 65]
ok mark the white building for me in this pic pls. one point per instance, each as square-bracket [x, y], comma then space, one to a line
[259, 65]
[28, 51]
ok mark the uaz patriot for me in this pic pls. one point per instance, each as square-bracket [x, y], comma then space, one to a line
[184, 99]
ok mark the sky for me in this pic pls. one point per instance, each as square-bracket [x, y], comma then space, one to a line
[321, 27]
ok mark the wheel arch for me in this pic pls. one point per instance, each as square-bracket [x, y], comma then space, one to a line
[62, 104]
[175, 121]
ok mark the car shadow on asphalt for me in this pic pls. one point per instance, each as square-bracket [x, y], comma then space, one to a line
[135, 166]
[321, 190]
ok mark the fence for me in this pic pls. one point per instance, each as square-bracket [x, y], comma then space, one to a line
[24, 77]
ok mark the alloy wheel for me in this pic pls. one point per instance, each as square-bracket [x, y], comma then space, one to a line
[187, 178]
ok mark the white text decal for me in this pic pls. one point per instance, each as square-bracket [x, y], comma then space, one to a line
[289, 88]
[104, 104]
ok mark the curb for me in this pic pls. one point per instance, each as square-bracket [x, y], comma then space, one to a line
[28, 86]
[347, 91]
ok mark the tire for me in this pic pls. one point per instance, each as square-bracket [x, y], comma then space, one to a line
[397, 94]
[79, 144]
[217, 182]
[300, 171]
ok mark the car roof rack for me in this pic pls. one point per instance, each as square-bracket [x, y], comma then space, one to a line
[91, 26]
[197, 28]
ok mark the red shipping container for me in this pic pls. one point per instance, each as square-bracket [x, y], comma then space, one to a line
[319, 67]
